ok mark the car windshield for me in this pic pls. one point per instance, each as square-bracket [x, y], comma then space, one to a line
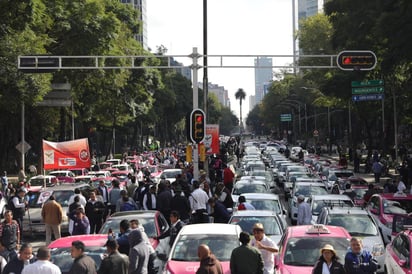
[171, 174]
[114, 224]
[32, 199]
[40, 182]
[63, 196]
[247, 222]
[62, 257]
[77, 172]
[357, 225]
[305, 251]
[397, 206]
[308, 190]
[319, 204]
[221, 246]
[249, 188]
[360, 192]
[345, 174]
[272, 205]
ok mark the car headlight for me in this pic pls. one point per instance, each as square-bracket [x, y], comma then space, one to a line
[378, 250]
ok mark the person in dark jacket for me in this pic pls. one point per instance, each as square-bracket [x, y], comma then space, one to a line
[328, 260]
[209, 264]
[246, 259]
[224, 195]
[123, 237]
[17, 264]
[94, 210]
[358, 260]
[164, 199]
[82, 263]
[180, 203]
[175, 226]
[220, 213]
[115, 262]
[81, 225]
[138, 254]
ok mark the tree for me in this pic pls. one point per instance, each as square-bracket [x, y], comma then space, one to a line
[240, 95]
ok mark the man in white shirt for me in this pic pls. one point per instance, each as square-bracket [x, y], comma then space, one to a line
[304, 212]
[266, 247]
[43, 264]
[82, 200]
[401, 186]
[198, 203]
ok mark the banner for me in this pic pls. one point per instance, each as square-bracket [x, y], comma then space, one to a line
[211, 140]
[65, 155]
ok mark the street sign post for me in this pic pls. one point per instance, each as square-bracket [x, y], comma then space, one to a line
[369, 83]
[286, 117]
[371, 90]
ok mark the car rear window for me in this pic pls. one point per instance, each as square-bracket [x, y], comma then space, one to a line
[397, 206]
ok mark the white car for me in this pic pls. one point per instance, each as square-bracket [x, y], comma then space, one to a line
[317, 202]
[221, 239]
[359, 223]
[248, 186]
[306, 189]
[169, 174]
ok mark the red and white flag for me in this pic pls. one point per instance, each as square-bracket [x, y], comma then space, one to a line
[65, 155]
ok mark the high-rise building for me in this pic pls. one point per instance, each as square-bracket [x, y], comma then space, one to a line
[263, 75]
[307, 8]
[140, 5]
[220, 92]
[252, 102]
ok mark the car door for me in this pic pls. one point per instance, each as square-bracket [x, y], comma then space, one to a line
[398, 257]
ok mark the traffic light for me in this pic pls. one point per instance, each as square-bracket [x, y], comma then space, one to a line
[197, 126]
[38, 64]
[356, 60]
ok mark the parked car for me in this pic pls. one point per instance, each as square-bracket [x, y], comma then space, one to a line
[383, 206]
[40, 181]
[398, 258]
[359, 223]
[272, 223]
[317, 202]
[60, 250]
[300, 245]
[33, 221]
[64, 176]
[221, 239]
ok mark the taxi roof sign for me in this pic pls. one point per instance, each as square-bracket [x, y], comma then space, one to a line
[317, 229]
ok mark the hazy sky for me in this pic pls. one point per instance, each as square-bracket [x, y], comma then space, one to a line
[243, 27]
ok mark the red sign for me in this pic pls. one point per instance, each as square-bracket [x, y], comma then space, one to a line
[211, 140]
[65, 155]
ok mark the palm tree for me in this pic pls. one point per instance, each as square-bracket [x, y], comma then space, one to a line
[241, 95]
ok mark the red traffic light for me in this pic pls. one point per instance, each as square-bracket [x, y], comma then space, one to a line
[356, 60]
[197, 126]
[199, 118]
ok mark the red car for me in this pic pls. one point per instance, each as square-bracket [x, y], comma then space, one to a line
[300, 245]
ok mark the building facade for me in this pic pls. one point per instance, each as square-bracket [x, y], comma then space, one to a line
[140, 5]
[263, 76]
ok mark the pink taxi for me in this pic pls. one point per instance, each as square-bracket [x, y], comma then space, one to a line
[221, 239]
[398, 255]
[60, 250]
[300, 245]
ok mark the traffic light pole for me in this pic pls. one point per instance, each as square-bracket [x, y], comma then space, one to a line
[195, 147]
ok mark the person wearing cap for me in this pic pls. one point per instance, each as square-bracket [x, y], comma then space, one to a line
[138, 254]
[82, 263]
[114, 262]
[328, 262]
[43, 264]
[246, 259]
[304, 212]
[359, 260]
[266, 247]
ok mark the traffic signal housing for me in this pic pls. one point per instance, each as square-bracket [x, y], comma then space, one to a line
[356, 60]
[197, 126]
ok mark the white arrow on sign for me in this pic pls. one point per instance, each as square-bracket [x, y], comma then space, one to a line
[19, 147]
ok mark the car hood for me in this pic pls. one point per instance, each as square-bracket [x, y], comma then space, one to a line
[288, 269]
[191, 267]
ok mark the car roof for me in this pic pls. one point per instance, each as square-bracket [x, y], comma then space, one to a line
[42, 177]
[394, 196]
[210, 228]
[330, 197]
[261, 196]
[88, 240]
[302, 231]
[133, 213]
[346, 210]
[67, 186]
[305, 183]
[260, 213]
[250, 182]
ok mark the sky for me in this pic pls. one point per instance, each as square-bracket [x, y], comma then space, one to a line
[235, 27]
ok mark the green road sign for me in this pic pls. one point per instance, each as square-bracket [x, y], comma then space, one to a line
[369, 83]
[368, 90]
[286, 117]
